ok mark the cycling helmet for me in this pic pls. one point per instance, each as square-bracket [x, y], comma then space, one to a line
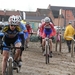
[13, 20]
[19, 18]
[42, 20]
[47, 19]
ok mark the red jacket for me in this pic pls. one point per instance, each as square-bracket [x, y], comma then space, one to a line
[29, 29]
[43, 35]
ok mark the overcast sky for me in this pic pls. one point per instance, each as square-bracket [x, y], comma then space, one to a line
[32, 5]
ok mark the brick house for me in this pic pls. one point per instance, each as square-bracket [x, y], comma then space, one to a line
[68, 14]
[4, 15]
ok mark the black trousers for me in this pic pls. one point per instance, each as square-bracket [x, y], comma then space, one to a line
[69, 44]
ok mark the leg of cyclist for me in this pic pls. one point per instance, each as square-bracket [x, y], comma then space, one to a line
[40, 40]
[22, 41]
[50, 47]
[17, 54]
[43, 46]
[4, 60]
[27, 40]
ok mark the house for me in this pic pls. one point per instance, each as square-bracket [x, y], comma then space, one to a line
[4, 14]
[67, 14]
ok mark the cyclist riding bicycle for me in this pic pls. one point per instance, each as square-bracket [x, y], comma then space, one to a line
[30, 31]
[38, 31]
[23, 36]
[47, 28]
[11, 36]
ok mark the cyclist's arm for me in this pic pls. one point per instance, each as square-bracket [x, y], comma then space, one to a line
[23, 27]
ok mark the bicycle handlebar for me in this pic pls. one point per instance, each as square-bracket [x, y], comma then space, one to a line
[12, 47]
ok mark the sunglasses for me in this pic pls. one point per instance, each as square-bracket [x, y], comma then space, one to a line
[13, 25]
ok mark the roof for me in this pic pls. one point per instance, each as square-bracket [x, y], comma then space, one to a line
[9, 12]
[43, 12]
[56, 13]
[64, 8]
[35, 18]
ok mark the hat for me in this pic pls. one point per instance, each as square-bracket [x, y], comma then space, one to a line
[70, 22]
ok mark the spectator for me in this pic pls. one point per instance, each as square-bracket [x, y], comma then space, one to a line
[69, 31]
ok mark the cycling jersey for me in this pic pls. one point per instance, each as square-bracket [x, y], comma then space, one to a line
[29, 29]
[23, 27]
[9, 33]
[11, 37]
[52, 32]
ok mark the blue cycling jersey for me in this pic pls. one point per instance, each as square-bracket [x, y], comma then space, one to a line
[11, 33]
[22, 26]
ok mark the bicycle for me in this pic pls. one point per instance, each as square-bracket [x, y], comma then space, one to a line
[9, 65]
[47, 49]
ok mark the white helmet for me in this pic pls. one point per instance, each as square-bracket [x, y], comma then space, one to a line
[42, 20]
[13, 20]
[47, 19]
[19, 18]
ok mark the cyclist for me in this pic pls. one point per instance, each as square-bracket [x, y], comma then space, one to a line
[48, 28]
[11, 36]
[23, 36]
[30, 31]
[69, 31]
[38, 31]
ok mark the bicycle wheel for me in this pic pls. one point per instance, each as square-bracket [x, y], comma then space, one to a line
[47, 54]
[9, 67]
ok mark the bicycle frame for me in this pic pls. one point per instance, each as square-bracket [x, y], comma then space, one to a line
[9, 66]
[47, 47]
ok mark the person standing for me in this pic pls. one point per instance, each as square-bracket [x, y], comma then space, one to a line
[69, 32]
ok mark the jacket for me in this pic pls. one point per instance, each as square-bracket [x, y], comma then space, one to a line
[69, 31]
[43, 35]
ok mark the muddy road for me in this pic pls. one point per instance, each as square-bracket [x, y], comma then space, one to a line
[34, 62]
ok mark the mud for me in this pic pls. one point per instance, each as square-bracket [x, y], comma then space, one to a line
[34, 62]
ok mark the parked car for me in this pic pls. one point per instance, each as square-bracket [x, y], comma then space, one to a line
[58, 28]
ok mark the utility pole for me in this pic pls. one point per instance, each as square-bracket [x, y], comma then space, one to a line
[58, 36]
[60, 14]
[65, 19]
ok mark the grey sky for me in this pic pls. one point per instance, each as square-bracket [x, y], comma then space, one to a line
[32, 5]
